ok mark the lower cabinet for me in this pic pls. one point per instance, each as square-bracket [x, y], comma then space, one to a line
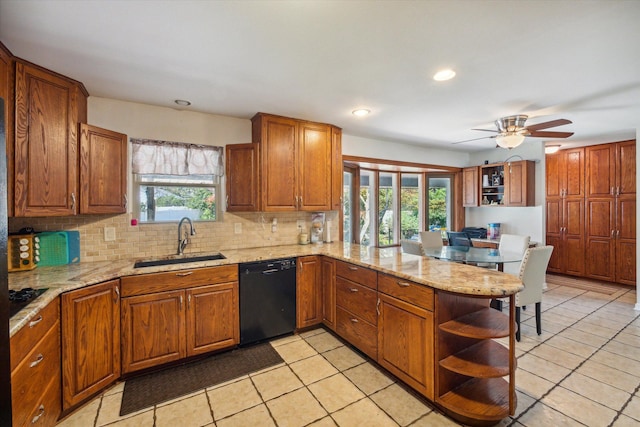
[91, 344]
[35, 370]
[328, 278]
[161, 327]
[308, 291]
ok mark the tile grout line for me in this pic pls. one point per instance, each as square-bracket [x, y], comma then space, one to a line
[558, 383]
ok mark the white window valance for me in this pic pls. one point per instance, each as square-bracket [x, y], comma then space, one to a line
[175, 158]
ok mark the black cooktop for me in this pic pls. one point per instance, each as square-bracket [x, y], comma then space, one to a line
[20, 299]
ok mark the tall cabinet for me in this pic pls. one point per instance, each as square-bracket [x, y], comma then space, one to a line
[591, 211]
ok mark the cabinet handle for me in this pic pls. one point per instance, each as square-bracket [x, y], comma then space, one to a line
[618, 234]
[353, 320]
[35, 322]
[403, 284]
[612, 192]
[187, 273]
[617, 191]
[117, 289]
[73, 202]
[189, 301]
[353, 290]
[40, 414]
[181, 302]
[300, 201]
[613, 234]
[227, 201]
[353, 268]
[378, 307]
[39, 358]
[125, 201]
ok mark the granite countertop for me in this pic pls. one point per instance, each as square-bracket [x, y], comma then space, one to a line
[442, 275]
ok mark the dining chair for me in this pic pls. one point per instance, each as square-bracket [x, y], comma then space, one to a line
[411, 247]
[513, 243]
[532, 272]
[431, 239]
[458, 238]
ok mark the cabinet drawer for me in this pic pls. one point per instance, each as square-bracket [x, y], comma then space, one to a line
[406, 290]
[27, 337]
[358, 332]
[357, 274]
[179, 279]
[357, 299]
[33, 373]
[47, 410]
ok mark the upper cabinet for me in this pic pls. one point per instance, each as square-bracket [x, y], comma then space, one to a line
[470, 187]
[292, 165]
[48, 109]
[103, 171]
[499, 184]
[6, 93]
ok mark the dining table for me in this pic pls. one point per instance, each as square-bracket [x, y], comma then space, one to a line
[473, 255]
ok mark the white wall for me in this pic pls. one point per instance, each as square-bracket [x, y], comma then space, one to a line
[528, 220]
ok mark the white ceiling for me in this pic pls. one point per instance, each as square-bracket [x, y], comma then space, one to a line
[318, 60]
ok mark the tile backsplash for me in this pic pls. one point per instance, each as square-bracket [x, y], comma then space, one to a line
[154, 240]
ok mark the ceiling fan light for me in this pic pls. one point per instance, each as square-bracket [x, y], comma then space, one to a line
[509, 140]
[550, 149]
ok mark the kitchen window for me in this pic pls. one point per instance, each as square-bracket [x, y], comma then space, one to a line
[173, 180]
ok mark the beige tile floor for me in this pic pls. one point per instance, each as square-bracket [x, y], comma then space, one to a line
[583, 370]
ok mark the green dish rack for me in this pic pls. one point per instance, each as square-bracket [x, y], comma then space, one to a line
[59, 248]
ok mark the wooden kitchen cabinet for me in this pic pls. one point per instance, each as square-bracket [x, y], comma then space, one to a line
[470, 186]
[91, 341]
[172, 315]
[291, 166]
[565, 173]
[35, 369]
[6, 93]
[48, 109]
[103, 171]
[405, 332]
[242, 182]
[520, 183]
[308, 291]
[328, 267]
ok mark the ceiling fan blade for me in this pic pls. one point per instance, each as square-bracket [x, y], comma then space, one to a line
[487, 130]
[474, 139]
[547, 125]
[547, 134]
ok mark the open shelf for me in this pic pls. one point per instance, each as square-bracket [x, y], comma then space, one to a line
[478, 399]
[482, 324]
[487, 359]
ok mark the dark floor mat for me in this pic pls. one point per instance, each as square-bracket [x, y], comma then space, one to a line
[157, 387]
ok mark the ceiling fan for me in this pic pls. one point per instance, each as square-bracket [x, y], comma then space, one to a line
[511, 131]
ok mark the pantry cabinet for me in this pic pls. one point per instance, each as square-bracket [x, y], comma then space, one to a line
[48, 109]
[173, 315]
[91, 344]
[103, 171]
[292, 165]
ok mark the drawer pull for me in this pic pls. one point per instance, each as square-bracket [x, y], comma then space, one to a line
[353, 290]
[352, 268]
[39, 358]
[403, 284]
[40, 414]
[35, 321]
[378, 307]
[353, 320]
[188, 273]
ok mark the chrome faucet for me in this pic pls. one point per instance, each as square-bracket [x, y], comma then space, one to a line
[182, 243]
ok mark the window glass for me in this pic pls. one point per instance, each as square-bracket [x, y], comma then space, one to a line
[387, 190]
[410, 206]
[440, 204]
[367, 207]
[172, 197]
[347, 206]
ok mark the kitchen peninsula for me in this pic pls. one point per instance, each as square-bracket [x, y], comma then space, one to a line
[396, 308]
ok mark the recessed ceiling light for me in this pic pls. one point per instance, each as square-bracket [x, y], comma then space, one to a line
[361, 112]
[182, 102]
[444, 75]
[550, 149]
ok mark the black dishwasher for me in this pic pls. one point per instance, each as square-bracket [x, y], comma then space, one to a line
[267, 299]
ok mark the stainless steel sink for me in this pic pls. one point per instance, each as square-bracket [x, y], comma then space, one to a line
[171, 261]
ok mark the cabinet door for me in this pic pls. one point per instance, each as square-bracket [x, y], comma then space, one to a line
[600, 170]
[329, 293]
[626, 241]
[153, 330]
[6, 93]
[626, 168]
[336, 169]
[314, 171]
[572, 172]
[600, 244]
[213, 320]
[46, 143]
[520, 183]
[553, 174]
[103, 171]
[308, 292]
[90, 341]
[405, 343]
[573, 236]
[470, 187]
[242, 177]
[279, 165]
